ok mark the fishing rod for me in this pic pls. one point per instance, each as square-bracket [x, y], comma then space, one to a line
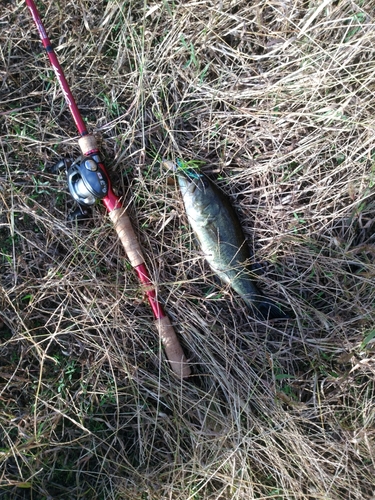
[88, 181]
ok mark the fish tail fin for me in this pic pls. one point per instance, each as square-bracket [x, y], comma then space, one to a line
[266, 309]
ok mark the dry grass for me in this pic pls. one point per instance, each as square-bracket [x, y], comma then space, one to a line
[277, 98]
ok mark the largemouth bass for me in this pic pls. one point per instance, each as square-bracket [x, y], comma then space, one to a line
[222, 240]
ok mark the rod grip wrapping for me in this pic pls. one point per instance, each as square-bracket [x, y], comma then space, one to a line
[127, 236]
[172, 347]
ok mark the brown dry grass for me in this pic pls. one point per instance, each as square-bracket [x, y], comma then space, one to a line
[277, 98]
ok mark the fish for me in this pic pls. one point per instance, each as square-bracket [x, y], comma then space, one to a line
[221, 238]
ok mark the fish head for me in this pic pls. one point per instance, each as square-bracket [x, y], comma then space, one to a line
[198, 193]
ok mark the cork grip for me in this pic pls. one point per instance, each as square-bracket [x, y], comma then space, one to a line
[127, 236]
[87, 143]
[172, 347]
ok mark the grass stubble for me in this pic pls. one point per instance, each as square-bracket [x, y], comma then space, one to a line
[277, 100]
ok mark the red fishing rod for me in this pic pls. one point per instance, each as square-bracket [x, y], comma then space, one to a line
[88, 181]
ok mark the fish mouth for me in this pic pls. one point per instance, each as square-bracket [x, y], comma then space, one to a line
[187, 180]
[191, 180]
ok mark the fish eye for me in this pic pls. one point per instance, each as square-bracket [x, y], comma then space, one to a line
[205, 182]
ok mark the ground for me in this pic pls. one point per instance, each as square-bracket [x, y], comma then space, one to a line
[276, 100]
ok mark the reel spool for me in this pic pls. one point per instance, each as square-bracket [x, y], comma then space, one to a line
[87, 182]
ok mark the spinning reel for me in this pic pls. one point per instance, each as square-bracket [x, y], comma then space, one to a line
[87, 182]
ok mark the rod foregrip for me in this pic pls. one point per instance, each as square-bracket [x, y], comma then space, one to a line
[87, 143]
[172, 347]
[127, 236]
